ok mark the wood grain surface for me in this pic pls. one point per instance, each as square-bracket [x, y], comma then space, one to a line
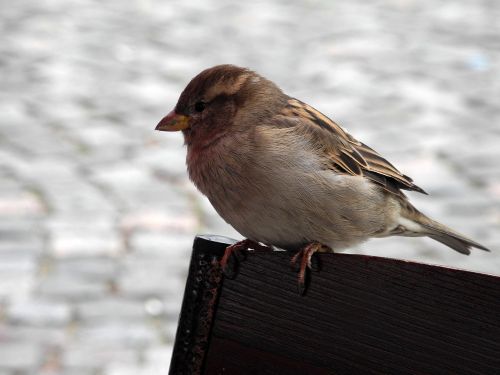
[360, 315]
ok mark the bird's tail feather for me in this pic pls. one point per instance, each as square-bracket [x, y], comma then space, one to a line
[446, 235]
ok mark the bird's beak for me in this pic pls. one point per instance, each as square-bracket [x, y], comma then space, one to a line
[173, 122]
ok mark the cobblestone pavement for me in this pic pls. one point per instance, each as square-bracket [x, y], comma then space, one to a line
[97, 215]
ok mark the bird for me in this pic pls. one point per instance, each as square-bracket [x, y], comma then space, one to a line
[285, 175]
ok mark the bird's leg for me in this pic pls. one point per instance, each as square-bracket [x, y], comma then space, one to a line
[305, 255]
[237, 252]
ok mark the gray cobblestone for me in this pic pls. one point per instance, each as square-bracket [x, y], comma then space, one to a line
[20, 242]
[89, 268]
[97, 221]
[155, 243]
[18, 263]
[115, 333]
[97, 214]
[70, 372]
[121, 369]
[20, 357]
[88, 244]
[110, 308]
[39, 313]
[94, 357]
[150, 277]
[66, 288]
[15, 285]
[20, 204]
[159, 356]
[42, 336]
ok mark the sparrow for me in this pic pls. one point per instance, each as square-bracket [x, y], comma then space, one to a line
[283, 174]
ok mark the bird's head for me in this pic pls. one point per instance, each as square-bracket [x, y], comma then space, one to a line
[217, 99]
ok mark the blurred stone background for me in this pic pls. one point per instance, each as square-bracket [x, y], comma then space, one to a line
[97, 215]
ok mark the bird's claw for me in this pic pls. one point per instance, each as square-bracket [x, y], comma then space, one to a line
[307, 262]
[234, 254]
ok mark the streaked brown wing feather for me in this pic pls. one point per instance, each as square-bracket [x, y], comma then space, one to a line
[347, 154]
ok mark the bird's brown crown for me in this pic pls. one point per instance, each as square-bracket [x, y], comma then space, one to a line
[218, 81]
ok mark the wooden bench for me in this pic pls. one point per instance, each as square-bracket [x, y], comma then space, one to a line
[360, 315]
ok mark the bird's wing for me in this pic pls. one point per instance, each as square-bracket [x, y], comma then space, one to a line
[343, 152]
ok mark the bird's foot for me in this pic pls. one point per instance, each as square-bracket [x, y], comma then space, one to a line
[236, 253]
[307, 262]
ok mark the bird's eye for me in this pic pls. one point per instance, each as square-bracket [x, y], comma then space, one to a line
[200, 106]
